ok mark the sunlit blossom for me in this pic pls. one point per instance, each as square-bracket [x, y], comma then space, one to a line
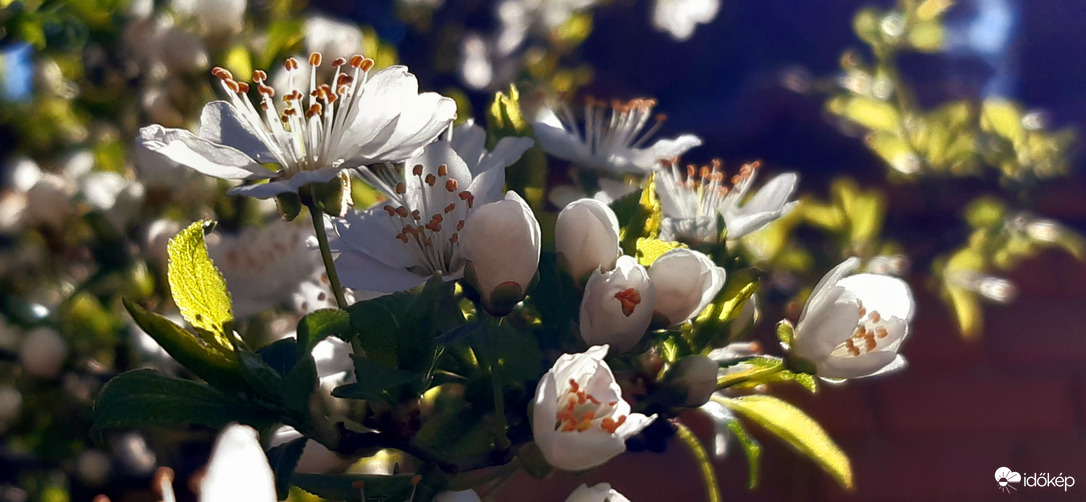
[614, 136]
[617, 305]
[601, 492]
[354, 120]
[579, 418]
[692, 199]
[852, 327]
[398, 244]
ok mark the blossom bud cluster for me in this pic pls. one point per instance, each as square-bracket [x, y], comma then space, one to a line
[622, 299]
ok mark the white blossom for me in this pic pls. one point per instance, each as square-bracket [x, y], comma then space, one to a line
[579, 419]
[269, 266]
[680, 17]
[357, 119]
[617, 305]
[43, 352]
[613, 138]
[692, 199]
[852, 327]
[238, 469]
[400, 243]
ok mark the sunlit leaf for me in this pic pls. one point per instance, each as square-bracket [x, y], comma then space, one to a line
[797, 429]
[197, 286]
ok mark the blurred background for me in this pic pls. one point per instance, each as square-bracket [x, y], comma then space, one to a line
[997, 373]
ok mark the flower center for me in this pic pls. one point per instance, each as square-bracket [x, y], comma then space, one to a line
[606, 133]
[430, 232]
[630, 298]
[305, 132]
[578, 410]
[868, 332]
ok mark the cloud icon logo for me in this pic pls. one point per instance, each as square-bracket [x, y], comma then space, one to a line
[1004, 476]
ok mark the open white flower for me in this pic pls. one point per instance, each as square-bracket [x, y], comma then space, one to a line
[357, 119]
[398, 244]
[269, 266]
[579, 419]
[617, 305]
[601, 492]
[238, 469]
[680, 17]
[852, 327]
[613, 139]
[501, 247]
[685, 282]
[586, 237]
[692, 198]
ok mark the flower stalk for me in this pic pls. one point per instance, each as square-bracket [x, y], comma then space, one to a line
[326, 253]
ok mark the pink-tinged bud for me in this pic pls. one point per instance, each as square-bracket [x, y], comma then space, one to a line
[500, 242]
[617, 305]
[685, 282]
[586, 237]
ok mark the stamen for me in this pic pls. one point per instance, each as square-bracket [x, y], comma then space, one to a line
[290, 64]
[630, 298]
[315, 59]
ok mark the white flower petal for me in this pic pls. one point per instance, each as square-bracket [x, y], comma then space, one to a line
[238, 469]
[209, 158]
[360, 271]
[219, 123]
[889, 296]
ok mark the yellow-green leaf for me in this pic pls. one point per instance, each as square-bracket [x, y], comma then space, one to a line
[197, 286]
[797, 429]
[927, 37]
[967, 311]
[1003, 118]
[649, 250]
[872, 113]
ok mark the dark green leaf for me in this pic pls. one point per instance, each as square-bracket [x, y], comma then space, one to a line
[280, 355]
[145, 397]
[346, 486]
[321, 324]
[375, 381]
[283, 460]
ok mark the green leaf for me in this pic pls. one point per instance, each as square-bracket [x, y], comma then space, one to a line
[751, 449]
[377, 323]
[872, 113]
[321, 324]
[144, 397]
[1003, 118]
[649, 250]
[927, 37]
[796, 429]
[298, 385]
[967, 311]
[375, 382]
[198, 287]
[786, 332]
[283, 460]
[639, 215]
[714, 322]
[208, 362]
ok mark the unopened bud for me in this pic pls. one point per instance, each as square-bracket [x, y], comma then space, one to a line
[500, 242]
[586, 237]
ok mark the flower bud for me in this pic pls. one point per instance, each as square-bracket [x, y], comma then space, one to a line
[695, 376]
[685, 282]
[617, 305]
[500, 242]
[43, 353]
[586, 237]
